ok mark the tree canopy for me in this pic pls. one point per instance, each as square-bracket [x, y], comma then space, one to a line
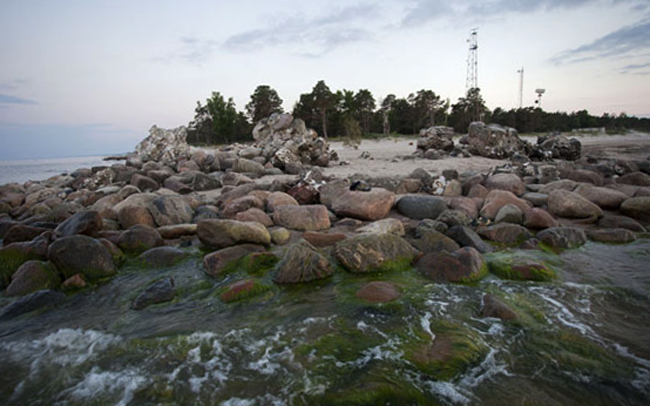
[264, 102]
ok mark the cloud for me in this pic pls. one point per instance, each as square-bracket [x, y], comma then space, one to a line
[8, 99]
[320, 35]
[627, 40]
[642, 69]
[425, 11]
[192, 50]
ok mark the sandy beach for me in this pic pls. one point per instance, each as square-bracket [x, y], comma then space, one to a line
[394, 156]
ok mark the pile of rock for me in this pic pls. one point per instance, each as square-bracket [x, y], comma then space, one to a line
[283, 141]
[163, 146]
[496, 142]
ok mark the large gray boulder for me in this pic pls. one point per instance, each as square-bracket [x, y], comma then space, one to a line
[302, 263]
[225, 233]
[494, 141]
[81, 254]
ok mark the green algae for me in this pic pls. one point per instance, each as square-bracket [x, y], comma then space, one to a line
[454, 349]
[11, 258]
[520, 265]
[241, 290]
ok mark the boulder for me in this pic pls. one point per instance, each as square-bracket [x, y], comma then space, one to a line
[81, 254]
[495, 307]
[170, 210]
[159, 292]
[243, 165]
[567, 204]
[163, 145]
[605, 198]
[635, 179]
[383, 226]
[84, 222]
[562, 237]
[463, 265]
[12, 256]
[254, 214]
[159, 257]
[371, 205]
[374, 253]
[277, 199]
[509, 214]
[144, 183]
[217, 262]
[466, 237]
[378, 292]
[241, 204]
[519, 266]
[303, 218]
[508, 234]
[421, 206]
[496, 199]
[135, 210]
[454, 218]
[615, 221]
[243, 289]
[539, 219]
[564, 184]
[638, 208]
[506, 181]
[177, 231]
[224, 233]
[320, 240]
[280, 236]
[302, 263]
[139, 238]
[612, 235]
[22, 232]
[432, 241]
[33, 276]
[585, 176]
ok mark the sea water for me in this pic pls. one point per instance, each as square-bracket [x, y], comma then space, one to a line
[24, 170]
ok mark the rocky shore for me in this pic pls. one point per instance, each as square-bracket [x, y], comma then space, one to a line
[281, 206]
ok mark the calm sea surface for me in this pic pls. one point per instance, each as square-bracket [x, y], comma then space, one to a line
[40, 169]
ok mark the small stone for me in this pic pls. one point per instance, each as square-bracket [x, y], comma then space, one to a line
[159, 292]
[495, 307]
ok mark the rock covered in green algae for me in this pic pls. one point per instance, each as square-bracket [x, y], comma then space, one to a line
[519, 266]
[12, 256]
[139, 238]
[463, 265]
[375, 253]
[243, 289]
[302, 263]
[222, 261]
[33, 276]
[81, 254]
[433, 241]
[495, 307]
[225, 233]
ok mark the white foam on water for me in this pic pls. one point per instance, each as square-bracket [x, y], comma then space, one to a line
[567, 318]
[260, 400]
[98, 383]
[488, 368]
[447, 390]
[64, 347]
[425, 322]
[642, 381]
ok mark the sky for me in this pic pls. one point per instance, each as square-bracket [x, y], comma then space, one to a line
[91, 77]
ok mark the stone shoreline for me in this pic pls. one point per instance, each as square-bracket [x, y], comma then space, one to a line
[304, 222]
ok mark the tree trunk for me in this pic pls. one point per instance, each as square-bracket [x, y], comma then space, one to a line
[323, 117]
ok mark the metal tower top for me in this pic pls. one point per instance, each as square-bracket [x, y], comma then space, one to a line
[472, 60]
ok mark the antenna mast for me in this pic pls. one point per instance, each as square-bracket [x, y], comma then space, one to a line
[472, 61]
[521, 87]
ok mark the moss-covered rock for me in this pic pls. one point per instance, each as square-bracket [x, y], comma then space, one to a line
[464, 265]
[518, 266]
[302, 263]
[33, 276]
[454, 349]
[243, 289]
[14, 255]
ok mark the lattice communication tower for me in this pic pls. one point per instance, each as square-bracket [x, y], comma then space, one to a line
[521, 87]
[472, 61]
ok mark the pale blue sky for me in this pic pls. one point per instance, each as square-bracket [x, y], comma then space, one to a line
[91, 77]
